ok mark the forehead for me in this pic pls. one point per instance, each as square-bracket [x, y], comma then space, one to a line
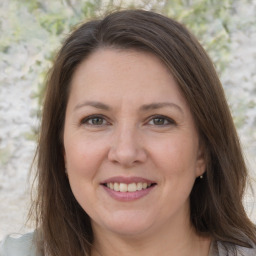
[126, 75]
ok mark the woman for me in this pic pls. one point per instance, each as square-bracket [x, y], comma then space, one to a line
[138, 153]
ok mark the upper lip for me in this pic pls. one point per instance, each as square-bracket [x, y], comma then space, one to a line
[127, 180]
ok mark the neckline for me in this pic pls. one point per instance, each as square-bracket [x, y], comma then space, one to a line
[213, 249]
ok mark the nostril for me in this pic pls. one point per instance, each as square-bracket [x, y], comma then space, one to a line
[127, 154]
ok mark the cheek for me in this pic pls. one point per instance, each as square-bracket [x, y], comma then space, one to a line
[82, 157]
[82, 163]
[176, 155]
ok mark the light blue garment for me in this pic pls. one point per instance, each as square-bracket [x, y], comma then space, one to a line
[241, 251]
[22, 246]
[224, 249]
[25, 246]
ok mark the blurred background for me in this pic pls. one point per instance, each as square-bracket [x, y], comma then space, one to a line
[31, 32]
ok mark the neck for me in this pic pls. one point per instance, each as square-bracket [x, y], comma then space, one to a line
[175, 241]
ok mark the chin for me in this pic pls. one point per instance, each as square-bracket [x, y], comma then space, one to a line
[133, 225]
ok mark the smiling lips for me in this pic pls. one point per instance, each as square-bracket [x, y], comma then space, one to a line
[131, 187]
[127, 189]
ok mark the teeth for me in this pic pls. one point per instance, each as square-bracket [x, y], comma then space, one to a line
[139, 186]
[116, 187]
[123, 187]
[131, 187]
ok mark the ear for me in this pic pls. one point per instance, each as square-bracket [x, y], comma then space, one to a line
[201, 160]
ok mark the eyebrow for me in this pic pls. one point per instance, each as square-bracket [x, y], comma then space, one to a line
[153, 106]
[95, 104]
[146, 107]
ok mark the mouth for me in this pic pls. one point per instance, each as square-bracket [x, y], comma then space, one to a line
[128, 187]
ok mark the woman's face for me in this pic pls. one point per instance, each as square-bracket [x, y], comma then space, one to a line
[132, 151]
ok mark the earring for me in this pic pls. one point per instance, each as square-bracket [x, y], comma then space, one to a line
[201, 176]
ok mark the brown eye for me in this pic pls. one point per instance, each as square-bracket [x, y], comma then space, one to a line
[161, 121]
[94, 121]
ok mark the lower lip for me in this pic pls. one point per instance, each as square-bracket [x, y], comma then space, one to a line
[128, 196]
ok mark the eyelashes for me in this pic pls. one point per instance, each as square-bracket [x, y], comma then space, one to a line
[95, 120]
[160, 120]
[100, 120]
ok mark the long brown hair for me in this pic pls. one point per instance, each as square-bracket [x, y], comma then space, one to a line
[215, 201]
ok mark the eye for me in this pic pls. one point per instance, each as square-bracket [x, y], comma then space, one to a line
[94, 120]
[161, 121]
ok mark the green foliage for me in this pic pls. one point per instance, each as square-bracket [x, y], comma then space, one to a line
[208, 20]
[41, 25]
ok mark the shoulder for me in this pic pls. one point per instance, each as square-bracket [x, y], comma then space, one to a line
[243, 251]
[21, 246]
[225, 249]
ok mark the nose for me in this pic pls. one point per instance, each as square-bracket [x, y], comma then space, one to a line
[127, 148]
